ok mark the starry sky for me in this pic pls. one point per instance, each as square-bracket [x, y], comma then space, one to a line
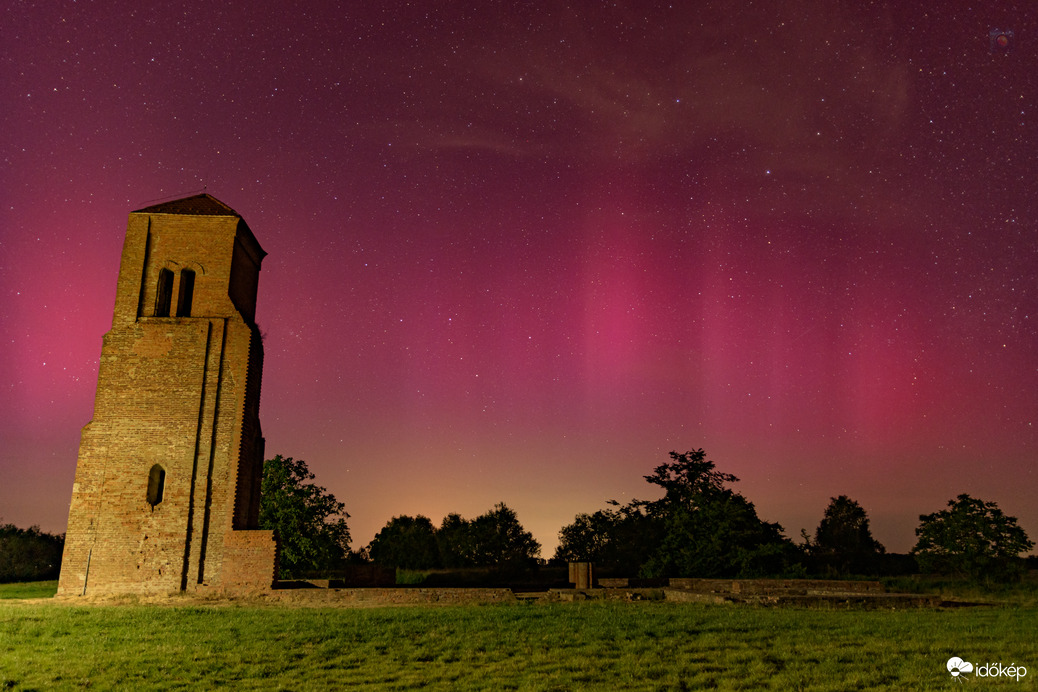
[520, 251]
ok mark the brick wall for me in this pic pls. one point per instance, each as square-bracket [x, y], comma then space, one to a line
[250, 561]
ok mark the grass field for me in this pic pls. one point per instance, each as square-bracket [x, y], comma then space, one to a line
[586, 645]
[35, 589]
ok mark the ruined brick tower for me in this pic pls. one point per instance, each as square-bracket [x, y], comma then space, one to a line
[166, 496]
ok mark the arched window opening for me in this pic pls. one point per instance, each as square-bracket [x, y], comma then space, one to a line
[156, 484]
[187, 289]
[164, 295]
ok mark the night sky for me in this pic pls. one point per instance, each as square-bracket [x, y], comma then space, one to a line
[520, 251]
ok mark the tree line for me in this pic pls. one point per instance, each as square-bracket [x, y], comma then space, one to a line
[494, 539]
[701, 527]
[29, 554]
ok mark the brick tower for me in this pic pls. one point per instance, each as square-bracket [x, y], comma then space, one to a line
[166, 496]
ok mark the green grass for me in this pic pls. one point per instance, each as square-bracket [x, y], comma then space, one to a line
[1018, 593]
[586, 645]
[33, 589]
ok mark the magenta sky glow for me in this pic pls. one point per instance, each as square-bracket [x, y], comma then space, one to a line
[519, 254]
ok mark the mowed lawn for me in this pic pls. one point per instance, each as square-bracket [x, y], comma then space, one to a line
[46, 645]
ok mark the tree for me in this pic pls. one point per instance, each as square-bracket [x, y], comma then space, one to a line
[722, 537]
[494, 539]
[456, 542]
[587, 538]
[309, 522]
[699, 528]
[406, 542]
[709, 530]
[689, 479]
[843, 541]
[614, 539]
[29, 554]
[972, 538]
[499, 540]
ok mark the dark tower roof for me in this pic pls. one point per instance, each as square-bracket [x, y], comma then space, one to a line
[197, 205]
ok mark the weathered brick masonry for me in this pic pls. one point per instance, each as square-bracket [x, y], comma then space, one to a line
[166, 495]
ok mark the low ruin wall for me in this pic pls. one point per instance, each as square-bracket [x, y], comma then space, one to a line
[391, 596]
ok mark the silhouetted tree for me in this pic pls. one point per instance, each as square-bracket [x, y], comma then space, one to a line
[721, 537]
[972, 538]
[29, 554]
[456, 542]
[587, 538]
[616, 540]
[699, 528]
[689, 479]
[499, 539]
[494, 539]
[406, 542]
[310, 523]
[843, 542]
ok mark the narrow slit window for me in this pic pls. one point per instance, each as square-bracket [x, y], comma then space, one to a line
[187, 289]
[156, 484]
[164, 295]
